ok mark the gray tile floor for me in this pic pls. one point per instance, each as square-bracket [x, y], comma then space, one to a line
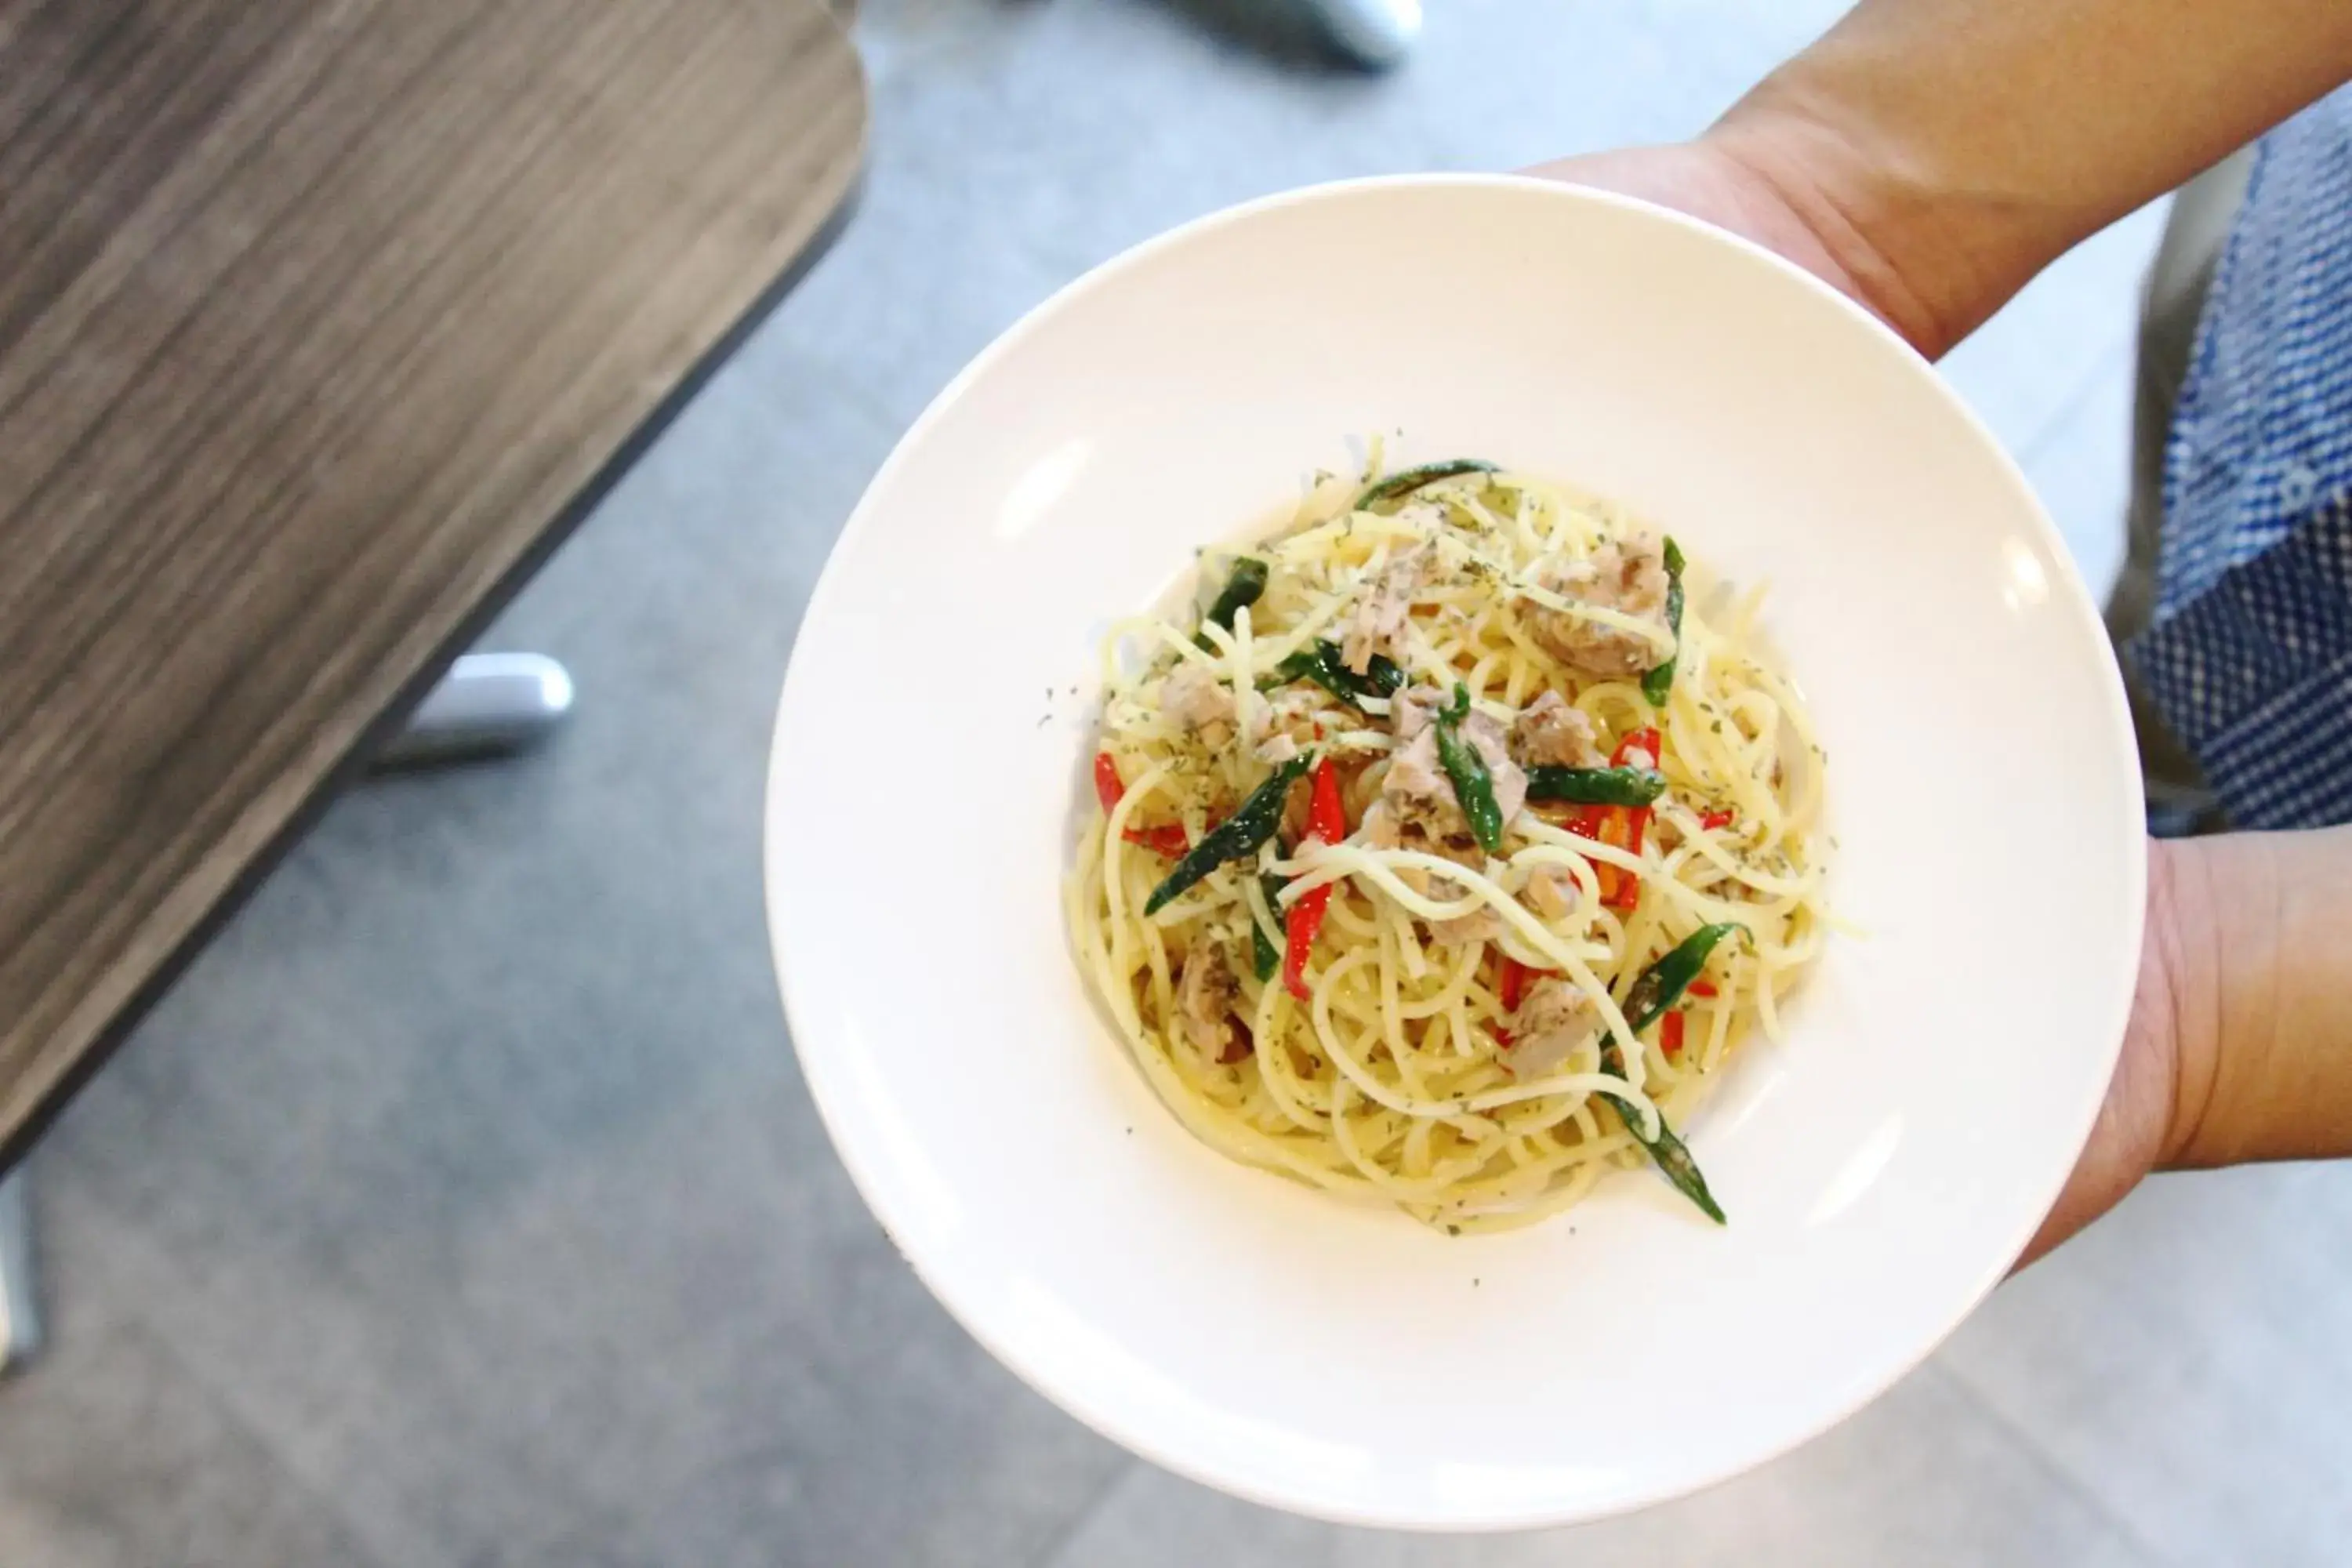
[462, 1206]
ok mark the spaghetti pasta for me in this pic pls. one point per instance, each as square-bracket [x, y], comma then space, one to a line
[1553, 850]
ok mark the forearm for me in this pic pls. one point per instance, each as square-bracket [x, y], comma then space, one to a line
[1949, 150]
[2260, 996]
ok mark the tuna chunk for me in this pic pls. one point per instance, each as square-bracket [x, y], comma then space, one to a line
[1195, 699]
[1628, 577]
[1554, 1018]
[1381, 615]
[1420, 795]
[1206, 992]
[1548, 733]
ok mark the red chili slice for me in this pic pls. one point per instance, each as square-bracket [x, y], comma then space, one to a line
[1327, 819]
[1107, 787]
[1623, 827]
[1169, 838]
[1513, 987]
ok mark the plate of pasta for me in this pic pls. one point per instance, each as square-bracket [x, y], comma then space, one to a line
[1455, 783]
[1453, 853]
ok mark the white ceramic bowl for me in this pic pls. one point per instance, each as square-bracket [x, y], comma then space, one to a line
[1881, 1170]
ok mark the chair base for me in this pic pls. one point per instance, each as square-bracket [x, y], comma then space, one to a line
[1374, 34]
[488, 705]
[20, 1315]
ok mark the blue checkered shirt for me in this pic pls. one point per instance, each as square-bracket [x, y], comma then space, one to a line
[2248, 656]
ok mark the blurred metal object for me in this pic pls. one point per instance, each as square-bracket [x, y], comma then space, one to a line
[20, 1316]
[1376, 33]
[488, 705]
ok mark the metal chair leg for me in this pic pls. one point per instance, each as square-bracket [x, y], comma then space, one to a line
[20, 1318]
[488, 705]
[1375, 34]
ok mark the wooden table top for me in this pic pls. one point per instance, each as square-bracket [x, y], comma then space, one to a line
[319, 321]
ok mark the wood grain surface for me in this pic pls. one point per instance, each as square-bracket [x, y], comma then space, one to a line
[317, 320]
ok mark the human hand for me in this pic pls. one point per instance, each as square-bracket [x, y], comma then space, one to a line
[2148, 1120]
[1809, 194]
[1706, 179]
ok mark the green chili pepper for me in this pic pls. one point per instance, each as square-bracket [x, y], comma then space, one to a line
[1658, 988]
[1265, 953]
[1473, 786]
[1662, 984]
[1322, 663]
[1405, 481]
[1244, 588]
[1672, 1155]
[1237, 836]
[1660, 681]
[1596, 786]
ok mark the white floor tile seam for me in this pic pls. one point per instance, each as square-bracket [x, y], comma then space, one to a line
[1073, 1525]
[235, 1403]
[309, 1488]
[59, 1198]
[2063, 1480]
[841, 381]
[2083, 1487]
[890, 49]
